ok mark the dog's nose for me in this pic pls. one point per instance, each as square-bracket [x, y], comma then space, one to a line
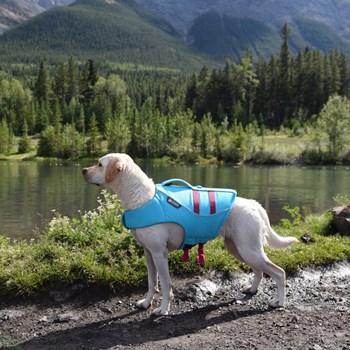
[84, 171]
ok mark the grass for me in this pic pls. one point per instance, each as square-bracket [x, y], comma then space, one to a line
[95, 249]
[280, 149]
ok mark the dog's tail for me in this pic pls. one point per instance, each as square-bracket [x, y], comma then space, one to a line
[272, 239]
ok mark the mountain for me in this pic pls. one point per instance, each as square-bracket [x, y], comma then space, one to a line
[46, 4]
[13, 12]
[105, 30]
[229, 24]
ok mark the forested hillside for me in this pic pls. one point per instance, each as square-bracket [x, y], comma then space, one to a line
[77, 111]
[118, 31]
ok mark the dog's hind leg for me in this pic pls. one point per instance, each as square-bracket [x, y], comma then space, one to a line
[152, 282]
[261, 264]
[231, 247]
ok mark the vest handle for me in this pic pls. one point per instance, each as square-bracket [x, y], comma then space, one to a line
[171, 182]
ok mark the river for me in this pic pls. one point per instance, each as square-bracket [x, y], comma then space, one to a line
[31, 190]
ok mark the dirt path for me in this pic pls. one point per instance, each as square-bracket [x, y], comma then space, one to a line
[205, 315]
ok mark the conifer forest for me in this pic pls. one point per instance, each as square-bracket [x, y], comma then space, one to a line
[80, 109]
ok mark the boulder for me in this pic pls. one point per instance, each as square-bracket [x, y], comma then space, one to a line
[341, 218]
[199, 291]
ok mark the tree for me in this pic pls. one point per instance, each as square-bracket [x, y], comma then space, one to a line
[72, 81]
[81, 120]
[334, 120]
[88, 81]
[71, 142]
[208, 137]
[93, 146]
[60, 83]
[23, 144]
[48, 142]
[42, 88]
[283, 76]
[249, 84]
[117, 133]
[5, 137]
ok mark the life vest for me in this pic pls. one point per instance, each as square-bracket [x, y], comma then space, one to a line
[198, 210]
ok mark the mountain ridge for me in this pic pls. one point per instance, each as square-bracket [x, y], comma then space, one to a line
[325, 17]
[119, 31]
[216, 28]
[14, 12]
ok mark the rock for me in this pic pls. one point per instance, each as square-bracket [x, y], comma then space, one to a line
[106, 310]
[307, 239]
[63, 293]
[10, 314]
[341, 218]
[63, 318]
[200, 291]
[43, 319]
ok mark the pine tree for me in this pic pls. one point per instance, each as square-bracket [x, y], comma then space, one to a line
[261, 102]
[72, 81]
[23, 144]
[344, 72]
[283, 77]
[60, 83]
[88, 80]
[81, 120]
[42, 88]
[191, 92]
[93, 145]
[335, 73]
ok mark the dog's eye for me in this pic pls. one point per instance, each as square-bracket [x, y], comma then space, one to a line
[100, 164]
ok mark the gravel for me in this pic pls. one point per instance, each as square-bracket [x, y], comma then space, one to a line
[208, 312]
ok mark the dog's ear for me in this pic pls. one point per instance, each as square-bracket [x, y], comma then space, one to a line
[113, 169]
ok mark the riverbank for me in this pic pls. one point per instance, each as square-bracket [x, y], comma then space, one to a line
[274, 148]
[96, 250]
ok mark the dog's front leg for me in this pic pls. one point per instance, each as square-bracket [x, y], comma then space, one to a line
[152, 282]
[160, 260]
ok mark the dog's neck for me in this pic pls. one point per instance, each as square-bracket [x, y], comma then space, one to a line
[134, 188]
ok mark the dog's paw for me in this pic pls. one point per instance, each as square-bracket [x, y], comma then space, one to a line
[276, 303]
[143, 304]
[160, 311]
[250, 291]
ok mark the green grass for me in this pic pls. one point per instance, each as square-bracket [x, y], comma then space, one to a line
[279, 149]
[95, 249]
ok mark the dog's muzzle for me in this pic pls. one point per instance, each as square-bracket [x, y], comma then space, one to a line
[86, 177]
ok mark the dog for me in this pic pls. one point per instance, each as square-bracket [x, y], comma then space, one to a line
[245, 231]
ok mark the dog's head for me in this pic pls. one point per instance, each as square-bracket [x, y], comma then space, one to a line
[107, 169]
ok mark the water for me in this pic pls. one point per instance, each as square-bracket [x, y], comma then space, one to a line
[30, 191]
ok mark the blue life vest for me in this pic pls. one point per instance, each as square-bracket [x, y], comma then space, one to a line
[200, 211]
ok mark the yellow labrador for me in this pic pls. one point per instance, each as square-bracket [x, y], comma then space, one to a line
[245, 231]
